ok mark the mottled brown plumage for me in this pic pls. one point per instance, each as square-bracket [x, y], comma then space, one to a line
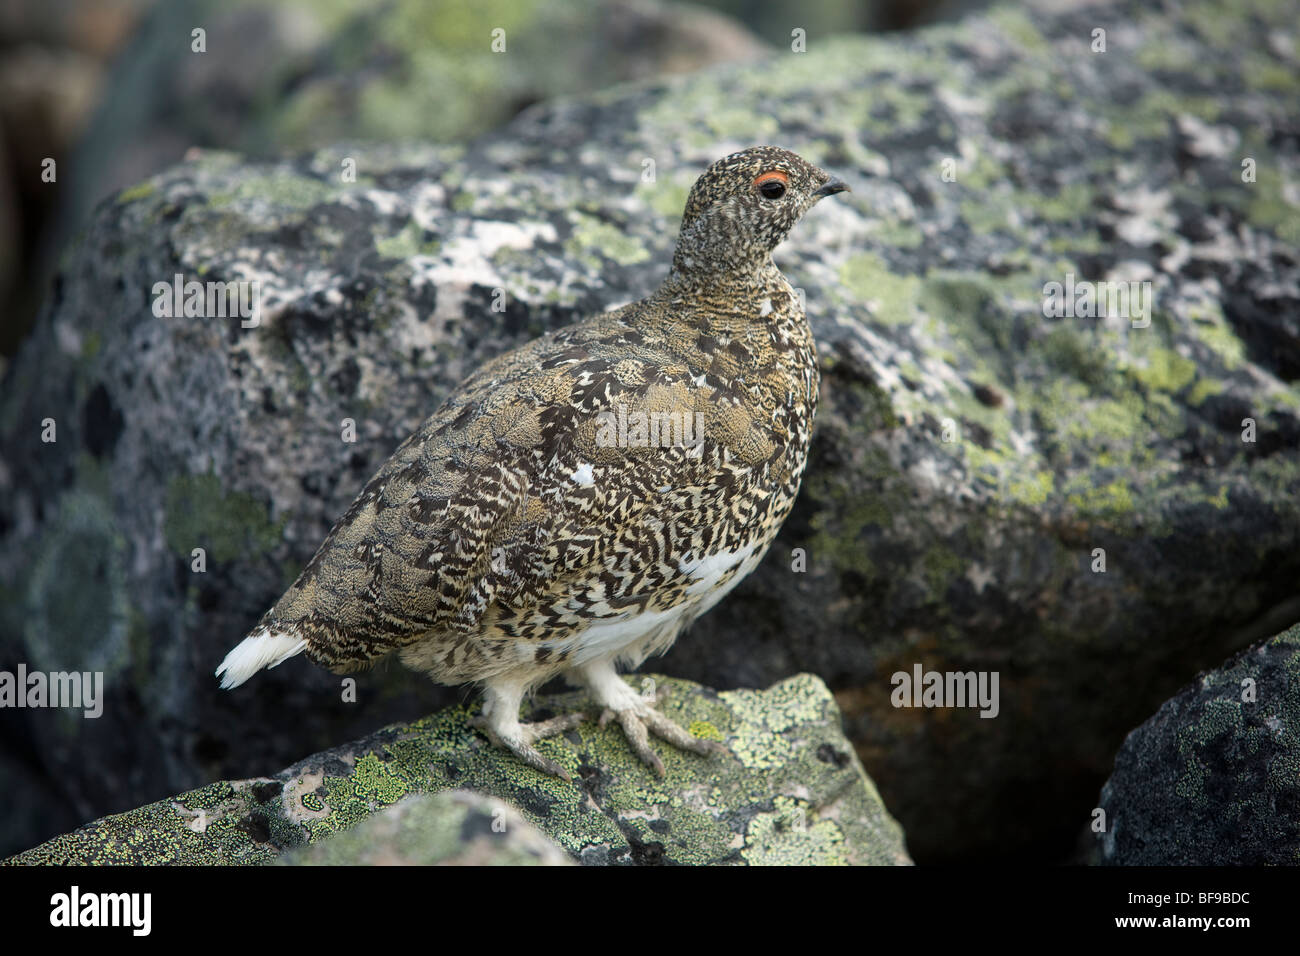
[578, 501]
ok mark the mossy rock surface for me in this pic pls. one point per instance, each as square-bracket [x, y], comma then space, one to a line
[788, 791]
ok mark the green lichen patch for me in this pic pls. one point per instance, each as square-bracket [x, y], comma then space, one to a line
[288, 190]
[198, 513]
[410, 241]
[592, 237]
[786, 755]
[890, 297]
[75, 585]
[139, 191]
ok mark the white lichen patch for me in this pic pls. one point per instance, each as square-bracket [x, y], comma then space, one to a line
[465, 260]
[291, 798]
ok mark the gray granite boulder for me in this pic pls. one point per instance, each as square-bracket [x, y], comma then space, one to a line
[976, 463]
[789, 790]
[1213, 778]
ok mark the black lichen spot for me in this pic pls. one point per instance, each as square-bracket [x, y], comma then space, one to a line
[1267, 327]
[646, 854]
[101, 422]
[452, 770]
[476, 824]
[262, 792]
[660, 826]
[979, 434]
[506, 316]
[1279, 431]
[827, 753]
[346, 379]
[988, 395]
[1225, 411]
[536, 803]
[255, 827]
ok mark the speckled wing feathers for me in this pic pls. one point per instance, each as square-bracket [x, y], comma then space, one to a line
[504, 518]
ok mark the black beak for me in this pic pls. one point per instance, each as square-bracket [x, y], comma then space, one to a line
[833, 186]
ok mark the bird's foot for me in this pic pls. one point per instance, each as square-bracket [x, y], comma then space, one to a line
[641, 719]
[519, 738]
[637, 716]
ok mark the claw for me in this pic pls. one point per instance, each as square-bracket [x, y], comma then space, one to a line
[679, 737]
[640, 721]
[521, 742]
[636, 715]
[634, 728]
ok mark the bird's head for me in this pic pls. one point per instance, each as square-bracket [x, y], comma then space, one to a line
[743, 206]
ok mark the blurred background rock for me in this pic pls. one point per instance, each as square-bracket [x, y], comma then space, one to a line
[111, 90]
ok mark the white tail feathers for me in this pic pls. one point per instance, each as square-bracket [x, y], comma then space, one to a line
[263, 648]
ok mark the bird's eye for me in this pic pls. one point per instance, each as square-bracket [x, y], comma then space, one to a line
[771, 185]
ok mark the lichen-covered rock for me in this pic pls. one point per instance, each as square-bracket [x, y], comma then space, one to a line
[451, 828]
[1213, 778]
[974, 462]
[790, 790]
